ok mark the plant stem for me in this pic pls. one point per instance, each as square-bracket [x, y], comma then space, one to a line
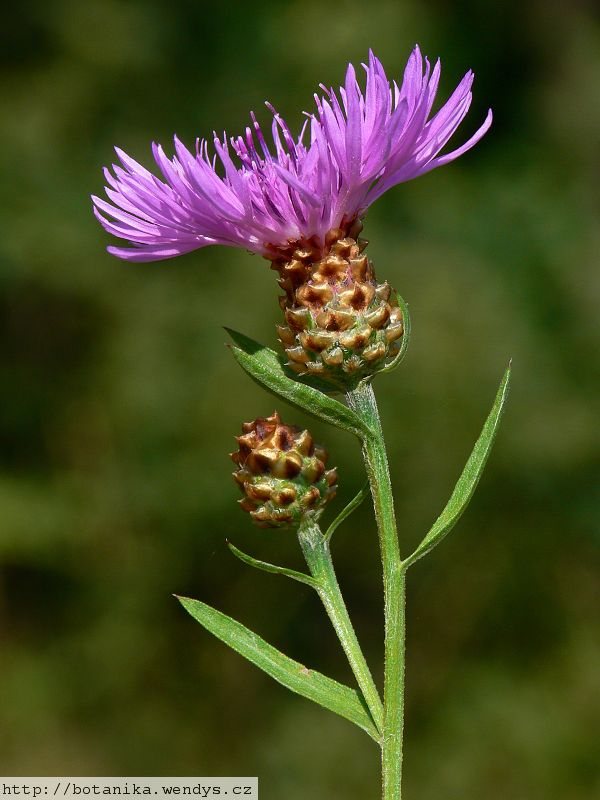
[318, 557]
[362, 401]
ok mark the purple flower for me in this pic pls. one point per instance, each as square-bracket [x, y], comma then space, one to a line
[351, 150]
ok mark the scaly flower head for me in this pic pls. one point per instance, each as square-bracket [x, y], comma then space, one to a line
[281, 472]
[340, 324]
[352, 148]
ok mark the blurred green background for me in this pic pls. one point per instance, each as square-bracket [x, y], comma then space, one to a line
[120, 401]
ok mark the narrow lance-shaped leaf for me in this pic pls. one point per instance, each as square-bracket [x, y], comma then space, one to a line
[463, 491]
[301, 577]
[264, 366]
[345, 512]
[309, 683]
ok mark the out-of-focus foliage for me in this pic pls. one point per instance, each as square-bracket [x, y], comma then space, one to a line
[119, 403]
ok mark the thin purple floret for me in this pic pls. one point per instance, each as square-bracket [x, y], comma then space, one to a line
[351, 150]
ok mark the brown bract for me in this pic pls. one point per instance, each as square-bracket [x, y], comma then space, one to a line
[281, 472]
[341, 325]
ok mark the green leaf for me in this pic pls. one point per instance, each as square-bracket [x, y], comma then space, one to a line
[265, 367]
[345, 512]
[301, 577]
[405, 337]
[463, 491]
[309, 683]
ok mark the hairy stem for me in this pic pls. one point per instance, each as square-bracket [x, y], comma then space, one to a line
[362, 401]
[318, 557]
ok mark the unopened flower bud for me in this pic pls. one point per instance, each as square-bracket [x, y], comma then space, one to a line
[340, 324]
[281, 472]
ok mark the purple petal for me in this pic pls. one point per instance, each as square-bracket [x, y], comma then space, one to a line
[361, 144]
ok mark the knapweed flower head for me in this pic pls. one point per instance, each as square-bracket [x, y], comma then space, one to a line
[340, 324]
[281, 472]
[352, 148]
[299, 202]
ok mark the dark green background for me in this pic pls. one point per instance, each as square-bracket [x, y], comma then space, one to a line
[120, 401]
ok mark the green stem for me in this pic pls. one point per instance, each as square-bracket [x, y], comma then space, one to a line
[362, 401]
[318, 557]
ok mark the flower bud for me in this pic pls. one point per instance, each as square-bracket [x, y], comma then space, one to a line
[281, 472]
[341, 325]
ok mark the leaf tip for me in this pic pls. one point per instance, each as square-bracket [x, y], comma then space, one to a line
[185, 601]
[507, 375]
